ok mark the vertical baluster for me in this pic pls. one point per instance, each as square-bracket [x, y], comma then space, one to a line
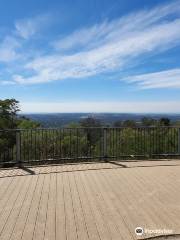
[18, 147]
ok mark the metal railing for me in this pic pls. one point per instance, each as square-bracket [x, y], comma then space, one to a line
[87, 144]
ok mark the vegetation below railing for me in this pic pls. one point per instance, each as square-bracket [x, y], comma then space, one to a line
[75, 144]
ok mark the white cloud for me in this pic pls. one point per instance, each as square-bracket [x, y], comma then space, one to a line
[4, 82]
[85, 37]
[26, 28]
[13, 45]
[117, 29]
[162, 79]
[8, 47]
[133, 107]
[108, 46]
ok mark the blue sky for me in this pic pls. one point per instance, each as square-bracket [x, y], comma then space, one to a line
[91, 56]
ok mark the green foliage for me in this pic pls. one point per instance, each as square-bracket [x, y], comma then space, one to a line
[148, 122]
[129, 123]
[164, 122]
[141, 141]
[27, 124]
[9, 120]
[8, 113]
[90, 122]
[92, 131]
[177, 123]
[73, 125]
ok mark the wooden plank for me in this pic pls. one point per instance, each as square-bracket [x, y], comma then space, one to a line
[6, 172]
[96, 211]
[5, 184]
[10, 200]
[142, 199]
[40, 221]
[71, 229]
[2, 180]
[32, 214]
[11, 220]
[115, 221]
[60, 209]
[50, 228]
[156, 202]
[120, 202]
[92, 227]
[21, 219]
[82, 231]
[131, 195]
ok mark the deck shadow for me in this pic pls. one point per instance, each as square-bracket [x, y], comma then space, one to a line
[31, 172]
[115, 165]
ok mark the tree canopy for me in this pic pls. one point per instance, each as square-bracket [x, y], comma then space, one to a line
[8, 113]
[9, 118]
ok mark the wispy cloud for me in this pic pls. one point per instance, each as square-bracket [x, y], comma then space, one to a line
[163, 79]
[28, 27]
[4, 82]
[84, 38]
[12, 46]
[8, 49]
[103, 47]
[118, 29]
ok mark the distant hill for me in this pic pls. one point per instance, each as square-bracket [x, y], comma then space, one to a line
[63, 119]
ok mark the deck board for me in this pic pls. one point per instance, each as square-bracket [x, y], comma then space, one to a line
[50, 228]
[24, 211]
[41, 217]
[28, 231]
[98, 201]
[60, 209]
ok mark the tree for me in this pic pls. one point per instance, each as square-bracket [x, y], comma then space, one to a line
[90, 122]
[25, 123]
[129, 123]
[9, 119]
[164, 122]
[8, 113]
[118, 123]
[92, 131]
[148, 122]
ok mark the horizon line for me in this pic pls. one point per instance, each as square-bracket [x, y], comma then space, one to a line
[155, 113]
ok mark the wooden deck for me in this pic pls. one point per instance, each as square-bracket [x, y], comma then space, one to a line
[103, 201]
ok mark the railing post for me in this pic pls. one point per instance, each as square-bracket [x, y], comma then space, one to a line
[105, 143]
[179, 141]
[18, 147]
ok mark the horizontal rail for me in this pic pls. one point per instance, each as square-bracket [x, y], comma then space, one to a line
[102, 127]
[81, 144]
